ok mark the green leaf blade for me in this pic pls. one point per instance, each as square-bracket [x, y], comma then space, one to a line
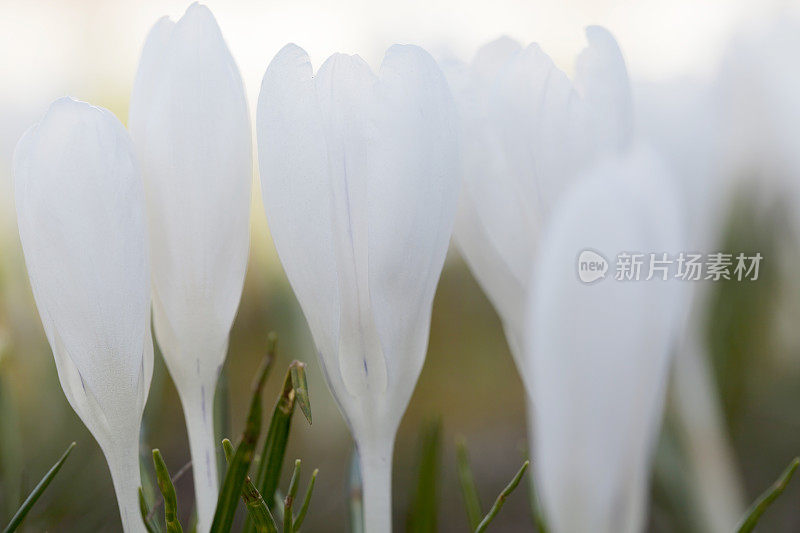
[501, 499]
[237, 471]
[288, 502]
[306, 502]
[425, 504]
[168, 492]
[469, 490]
[37, 491]
[256, 506]
[767, 498]
[272, 454]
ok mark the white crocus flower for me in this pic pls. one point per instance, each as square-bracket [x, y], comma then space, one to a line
[360, 185]
[80, 208]
[190, 125]
[598, 353]
[526, 130]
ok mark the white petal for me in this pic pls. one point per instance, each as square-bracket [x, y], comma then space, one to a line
[189, 121]
[360, 188]
[293, 163]
[602, 79]
[81, 214]
[345, 91]
[598, 354]
[413, 194]
[526, 132]
[80, 208]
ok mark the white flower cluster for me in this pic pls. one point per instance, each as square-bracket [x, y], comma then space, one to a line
[365, 176]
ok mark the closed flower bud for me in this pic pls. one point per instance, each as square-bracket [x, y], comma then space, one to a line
[81, 216]
[360, 184]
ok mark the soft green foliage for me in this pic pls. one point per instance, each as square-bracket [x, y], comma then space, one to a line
[422, 517]
[501, 499]
[22, 512]
[468, 488]
[239, 466]
[765, 500]
[295, 390]
[298, 372]
[256, 506]
[288, 502]
[167, 492]
[298, 521]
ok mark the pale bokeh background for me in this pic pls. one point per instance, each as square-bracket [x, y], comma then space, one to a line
[89, 49]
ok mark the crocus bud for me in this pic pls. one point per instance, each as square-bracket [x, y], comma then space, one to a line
[526, 131]
[599, 347]
[360, 185]
[81, 215]
[190, 125]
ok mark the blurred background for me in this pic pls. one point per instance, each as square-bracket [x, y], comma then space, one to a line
[89, 49]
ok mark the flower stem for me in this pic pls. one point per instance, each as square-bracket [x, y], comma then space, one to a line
[376, 475]
[199, 413]
[123, 463]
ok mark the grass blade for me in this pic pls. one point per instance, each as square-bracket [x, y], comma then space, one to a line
[424, 507]
[300, 385]
[501, 499]
[22, 512]
[256, 506]
[355, 496]
[468, 488]
[270, 463]
[168, 492]
[306, 502]
[765, 500]
[239, 466]
[288, 502]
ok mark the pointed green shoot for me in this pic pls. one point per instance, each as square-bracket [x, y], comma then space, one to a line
[239, 466]
[765, 500]
[469, 490]
[300, 385]
[270, 463]
[256, 507]
[288, 502]
[168, 492]
[306, 502]
[501, 499]
[37, 491]
[423, 515]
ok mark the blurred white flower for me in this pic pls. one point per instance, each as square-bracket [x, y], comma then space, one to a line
[81, 215]
[190, 125]
[526, 130]
[682, 121]
[360, 185]
[598, 355]
[757, 97]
